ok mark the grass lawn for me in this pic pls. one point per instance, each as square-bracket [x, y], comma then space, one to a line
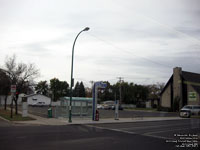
[6, 114]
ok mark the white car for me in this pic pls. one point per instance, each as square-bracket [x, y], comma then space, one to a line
[189, 110]
[99, 106]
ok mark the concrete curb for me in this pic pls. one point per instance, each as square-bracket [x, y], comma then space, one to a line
[5, 119]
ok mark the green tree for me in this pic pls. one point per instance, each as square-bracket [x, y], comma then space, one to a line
[42, 88]
[107, 93]
[4, 86]
[82, 90]
[79, 90]
[58, 89]
[76, 90]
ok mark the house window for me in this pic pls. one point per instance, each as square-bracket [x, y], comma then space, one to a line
[34, 99]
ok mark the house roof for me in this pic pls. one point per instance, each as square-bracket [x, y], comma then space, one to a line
[77, 98]
[168, 82]
[190, 78]
[193, 79]
[34, 95]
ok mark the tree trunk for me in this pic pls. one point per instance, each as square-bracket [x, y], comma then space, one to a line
[16, 107]
[5, 104]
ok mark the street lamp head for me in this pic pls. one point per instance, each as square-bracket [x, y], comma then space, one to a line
[86, 29]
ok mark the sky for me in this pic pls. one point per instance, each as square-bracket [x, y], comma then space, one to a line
[139, 40]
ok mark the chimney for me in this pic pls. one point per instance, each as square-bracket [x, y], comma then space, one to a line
[177, 84]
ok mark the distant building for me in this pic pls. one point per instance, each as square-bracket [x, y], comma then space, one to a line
[183, 86]
[31, 99]
[35, 98]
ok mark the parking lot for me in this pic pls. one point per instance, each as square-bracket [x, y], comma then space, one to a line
[42, 111]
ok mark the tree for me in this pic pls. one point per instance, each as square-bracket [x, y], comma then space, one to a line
[79, 90]
[76, 90]
[4, 86]
[21, 75]
[58, 88]
[82, 90]
[42, 88]
[155, 90]
[108, 93]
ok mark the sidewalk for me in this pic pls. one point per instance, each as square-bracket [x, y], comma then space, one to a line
[64, 121]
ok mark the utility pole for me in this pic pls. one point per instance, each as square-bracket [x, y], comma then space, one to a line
[92, 84]
[120, 89]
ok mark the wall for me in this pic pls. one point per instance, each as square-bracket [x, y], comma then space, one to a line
[38, 98]
[166, 97]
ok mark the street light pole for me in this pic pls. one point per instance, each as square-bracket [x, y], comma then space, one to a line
[72, 80]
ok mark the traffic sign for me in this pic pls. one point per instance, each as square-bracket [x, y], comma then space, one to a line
[101, 85]
[13, 88]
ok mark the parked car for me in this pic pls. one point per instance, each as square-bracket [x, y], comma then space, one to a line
[40, 104]
[108, 104]
[189, 110]
[99, 106]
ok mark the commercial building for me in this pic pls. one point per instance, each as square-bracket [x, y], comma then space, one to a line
[183, 88]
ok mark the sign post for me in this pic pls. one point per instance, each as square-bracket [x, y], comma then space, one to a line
[116, 109]
[95, 96]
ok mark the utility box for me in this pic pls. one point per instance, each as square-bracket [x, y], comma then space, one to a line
[24, 107]
[50, 113]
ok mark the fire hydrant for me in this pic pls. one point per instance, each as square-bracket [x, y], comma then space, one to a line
[97, 116]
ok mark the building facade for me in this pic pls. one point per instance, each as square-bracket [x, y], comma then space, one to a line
[182, 88]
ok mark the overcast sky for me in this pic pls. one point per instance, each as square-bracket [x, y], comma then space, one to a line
[139, 40]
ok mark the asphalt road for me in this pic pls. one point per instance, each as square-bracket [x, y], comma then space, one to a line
[135, 114]
[4, 123]
[123, 136]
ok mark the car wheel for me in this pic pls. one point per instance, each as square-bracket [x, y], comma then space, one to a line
[180, 115]
[188, 114]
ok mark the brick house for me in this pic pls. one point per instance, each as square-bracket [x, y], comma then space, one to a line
[182, 85]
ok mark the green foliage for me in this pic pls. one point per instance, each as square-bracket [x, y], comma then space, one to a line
[58, 89]
[82, 90]
[42, 88]
[4, 83]
[79, 90]
[130, 93]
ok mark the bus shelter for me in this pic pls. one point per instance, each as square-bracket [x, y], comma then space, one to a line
[81, 107]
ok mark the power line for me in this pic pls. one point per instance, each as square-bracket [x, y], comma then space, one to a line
[128, 52]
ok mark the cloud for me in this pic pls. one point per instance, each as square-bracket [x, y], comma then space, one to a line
[140, 40]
